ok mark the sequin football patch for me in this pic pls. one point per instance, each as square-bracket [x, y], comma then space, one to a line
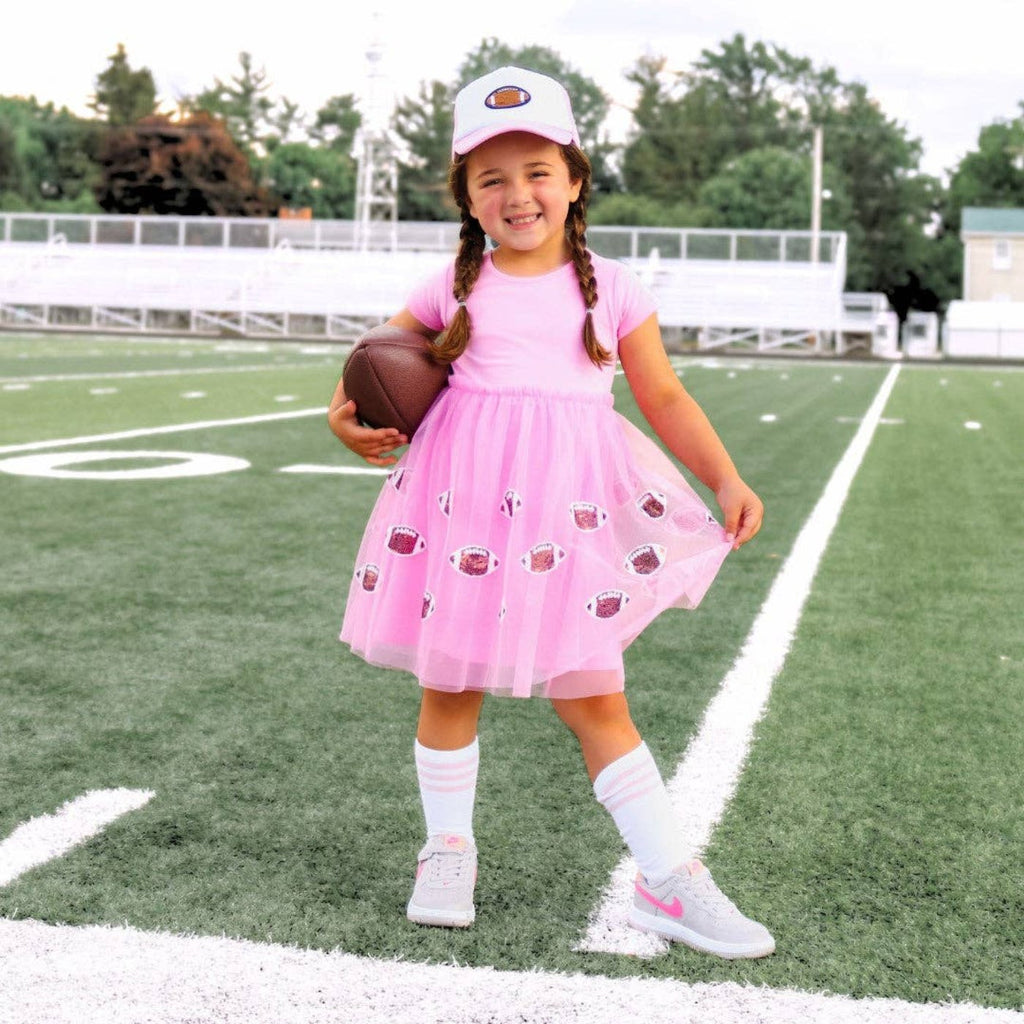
[473, 561]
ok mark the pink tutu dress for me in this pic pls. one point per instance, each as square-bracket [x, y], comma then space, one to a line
[529, 532]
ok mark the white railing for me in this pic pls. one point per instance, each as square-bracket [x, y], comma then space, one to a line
[417, 236]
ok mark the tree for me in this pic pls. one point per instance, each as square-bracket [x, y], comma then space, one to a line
[425, 125]
[123, 94]
[769, 188]
[992, 174]
[255, 120]
[316, 177]
[689, 123]
[47, 157]
[188, 167]
[747, 98]
[336, 124]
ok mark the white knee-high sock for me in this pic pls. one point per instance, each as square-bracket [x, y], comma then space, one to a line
[632, 791]
[447, 781]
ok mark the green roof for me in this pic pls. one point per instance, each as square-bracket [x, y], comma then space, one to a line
[990, 220]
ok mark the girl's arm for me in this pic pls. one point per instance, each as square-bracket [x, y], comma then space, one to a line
[373, 444]
[686, 431]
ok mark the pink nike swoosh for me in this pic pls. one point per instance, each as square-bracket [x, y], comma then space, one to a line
[673, 909]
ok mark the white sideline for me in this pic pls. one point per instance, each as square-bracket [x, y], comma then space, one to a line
[96, 975]
[175, 428]
[52, 835]
[713, 761]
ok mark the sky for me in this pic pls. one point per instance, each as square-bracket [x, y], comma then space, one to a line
[942, 76]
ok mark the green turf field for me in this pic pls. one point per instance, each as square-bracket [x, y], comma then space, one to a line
[179, 635]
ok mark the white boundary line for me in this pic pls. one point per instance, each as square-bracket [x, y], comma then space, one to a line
[41, 839]
[95, 975]
[175, 428]
[706, 778]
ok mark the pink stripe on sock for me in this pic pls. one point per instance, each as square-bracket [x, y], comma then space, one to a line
[622, 799]
[424, 761]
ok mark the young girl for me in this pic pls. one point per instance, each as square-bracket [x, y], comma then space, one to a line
[529, 532]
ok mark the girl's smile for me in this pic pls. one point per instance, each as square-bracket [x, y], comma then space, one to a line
[520, 191]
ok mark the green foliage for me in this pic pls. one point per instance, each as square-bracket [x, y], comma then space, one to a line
[992, 174]
[188, 167]
[336, 124]
[424, 123]
[123, 94]
[47, 157]
[626, 210]
[770, 188]
[255, 120]
[322, 179]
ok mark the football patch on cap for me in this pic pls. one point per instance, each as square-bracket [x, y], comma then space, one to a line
[507, 96]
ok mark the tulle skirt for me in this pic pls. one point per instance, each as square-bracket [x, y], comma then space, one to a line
[522, 542]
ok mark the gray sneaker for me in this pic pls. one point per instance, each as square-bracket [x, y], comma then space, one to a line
[445, 877]
[688, 907]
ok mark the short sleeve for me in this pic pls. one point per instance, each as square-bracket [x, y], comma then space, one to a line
[633, 301]
[430, 300]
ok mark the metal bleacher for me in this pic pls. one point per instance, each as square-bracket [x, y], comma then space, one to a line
[750, 289]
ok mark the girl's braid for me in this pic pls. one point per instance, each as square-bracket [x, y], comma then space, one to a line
[584, 267]
[468, 263]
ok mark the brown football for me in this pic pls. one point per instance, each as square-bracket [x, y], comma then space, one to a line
[393, 378]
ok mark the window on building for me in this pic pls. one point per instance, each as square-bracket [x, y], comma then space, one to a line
[1001, 254]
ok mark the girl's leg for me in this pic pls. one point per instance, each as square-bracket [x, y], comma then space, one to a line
[447, 756]
[626, 780]
[603, 727]
[672, 898]
[448, 720]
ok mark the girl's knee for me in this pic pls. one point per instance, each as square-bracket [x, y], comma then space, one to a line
[448, 721]
[586, 714]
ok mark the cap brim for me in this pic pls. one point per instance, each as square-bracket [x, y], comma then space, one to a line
[463, 145]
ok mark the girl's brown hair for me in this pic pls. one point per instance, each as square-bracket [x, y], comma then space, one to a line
[470, 257]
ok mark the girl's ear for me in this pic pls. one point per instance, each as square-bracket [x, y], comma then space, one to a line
[574, 189]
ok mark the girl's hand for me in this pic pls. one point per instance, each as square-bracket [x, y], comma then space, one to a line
[373, 444]
[743, 511]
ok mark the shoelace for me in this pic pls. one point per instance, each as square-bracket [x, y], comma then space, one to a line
[445, 868]
[714, 899]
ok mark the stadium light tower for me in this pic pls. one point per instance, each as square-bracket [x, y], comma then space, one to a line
[377, 167]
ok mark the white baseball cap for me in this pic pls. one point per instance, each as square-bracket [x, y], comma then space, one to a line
[512, 100]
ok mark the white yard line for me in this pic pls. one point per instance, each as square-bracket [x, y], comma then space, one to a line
[706, 778]
[60, 378]
[95, 975]
[52, 835]
[124, 435]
